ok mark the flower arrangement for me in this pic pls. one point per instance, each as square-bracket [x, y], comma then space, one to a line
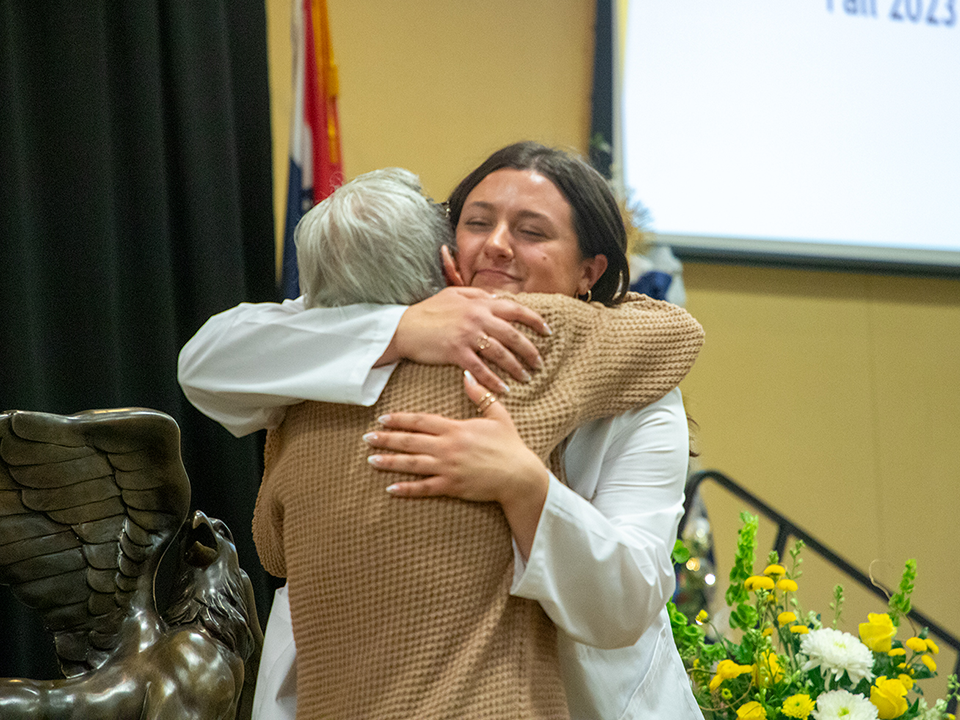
[789, 665]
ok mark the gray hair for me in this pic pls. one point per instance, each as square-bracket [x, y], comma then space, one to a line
[376, 239]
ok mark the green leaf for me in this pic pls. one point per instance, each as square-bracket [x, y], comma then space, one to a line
[795, 551]
[743, 560]
[900, 601]
[680, 554]
[837, 604]
[687, 637]
[744, 617]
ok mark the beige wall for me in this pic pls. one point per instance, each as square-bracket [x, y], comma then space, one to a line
[834, 396]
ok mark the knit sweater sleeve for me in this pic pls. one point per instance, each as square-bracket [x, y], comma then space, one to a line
[603, 361]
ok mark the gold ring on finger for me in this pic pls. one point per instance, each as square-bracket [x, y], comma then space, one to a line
[485, 402]
[483, 342]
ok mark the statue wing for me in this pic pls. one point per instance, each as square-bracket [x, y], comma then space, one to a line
[88, 504]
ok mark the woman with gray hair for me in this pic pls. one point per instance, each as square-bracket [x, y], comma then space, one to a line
[376, 239]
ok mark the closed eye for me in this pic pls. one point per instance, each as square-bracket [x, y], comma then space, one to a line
[533, 233]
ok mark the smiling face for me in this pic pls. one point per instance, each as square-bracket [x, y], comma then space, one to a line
[515, 233]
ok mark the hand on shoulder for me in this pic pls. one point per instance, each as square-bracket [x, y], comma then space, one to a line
[470, 328]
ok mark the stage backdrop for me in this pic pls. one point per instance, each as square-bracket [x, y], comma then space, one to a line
[135, 202]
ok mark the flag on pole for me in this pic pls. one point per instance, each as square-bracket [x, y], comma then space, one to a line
[316, 168]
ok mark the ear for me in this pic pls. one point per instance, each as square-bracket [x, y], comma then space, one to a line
[450, 271]
[591, 269]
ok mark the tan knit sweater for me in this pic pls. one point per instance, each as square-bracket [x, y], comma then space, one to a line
[401, 608]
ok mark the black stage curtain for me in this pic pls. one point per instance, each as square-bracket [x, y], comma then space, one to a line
[135, 202]
[601, 97]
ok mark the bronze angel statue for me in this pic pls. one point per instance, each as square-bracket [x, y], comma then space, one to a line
[89, 503]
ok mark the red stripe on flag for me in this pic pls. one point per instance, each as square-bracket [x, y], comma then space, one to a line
[320, 100]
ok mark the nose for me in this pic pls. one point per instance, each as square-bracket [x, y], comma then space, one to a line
[498, 242]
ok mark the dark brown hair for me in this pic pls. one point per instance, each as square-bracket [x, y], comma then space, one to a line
[596, 216]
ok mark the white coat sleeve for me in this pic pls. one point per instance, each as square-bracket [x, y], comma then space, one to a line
[600, 562]
[245, 366]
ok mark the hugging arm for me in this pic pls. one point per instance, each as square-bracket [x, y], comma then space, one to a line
[627, 473]
[245, 366]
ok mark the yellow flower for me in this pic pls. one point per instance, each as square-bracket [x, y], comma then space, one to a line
[768, 670]
[878, 633]
[786, 585]
[727, 670]
[906, 680]
[785, 618]
[798, 706]
[897, 651]
[932, 647]
[928, 661]
[751, 711]
[777, 570]
[889, 697]
[758, 582]
[916, 644]
[799, 629]
[767, 631]
[702, 617]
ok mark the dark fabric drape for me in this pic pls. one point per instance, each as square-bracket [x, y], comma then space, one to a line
[135, 202]
[601, 96]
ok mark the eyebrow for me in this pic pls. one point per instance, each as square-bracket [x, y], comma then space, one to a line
[523, 214]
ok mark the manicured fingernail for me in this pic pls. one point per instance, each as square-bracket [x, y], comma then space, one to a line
[375, 460]
[526, 377]
[383, 419]
[369, 437]
[469, 376]
[392, 489]
[503, 388]
[547, 330]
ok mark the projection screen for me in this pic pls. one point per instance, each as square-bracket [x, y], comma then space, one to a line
[795, 129]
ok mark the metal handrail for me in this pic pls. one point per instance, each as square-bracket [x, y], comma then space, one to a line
[787, 529]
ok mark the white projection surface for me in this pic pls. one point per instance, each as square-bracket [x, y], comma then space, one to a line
[826, 128]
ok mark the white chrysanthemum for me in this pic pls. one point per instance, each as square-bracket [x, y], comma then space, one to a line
[833, 652]
[938, 711]
[843, 705]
